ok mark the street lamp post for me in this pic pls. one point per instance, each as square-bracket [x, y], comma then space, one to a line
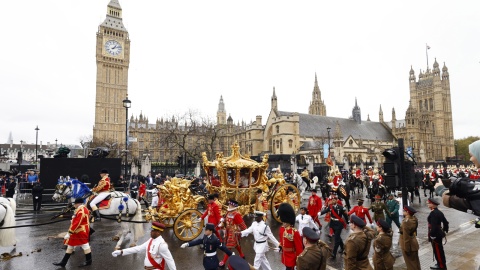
[328, 131]
[126, 104]
[36, 147]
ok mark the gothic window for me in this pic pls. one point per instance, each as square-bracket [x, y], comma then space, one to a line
[431, 104]
[278, 144]
[278, 129]
[420, 106]
[281, 145]
[350, 142]
[249, 136]
[290, 143]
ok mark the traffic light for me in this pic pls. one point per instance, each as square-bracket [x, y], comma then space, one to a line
[391, 167]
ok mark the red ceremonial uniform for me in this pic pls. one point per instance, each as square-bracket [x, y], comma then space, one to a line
[314, 206]
[292, 246]
[335, 180]
[142, 190]
[213, 213]
[103, 185]
[80, 228]
[474, 176]
[358, 173]
[234, 224]
[361, 211]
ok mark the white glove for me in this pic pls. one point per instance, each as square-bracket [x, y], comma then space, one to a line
[433, 238]
[372, 226]
[222, 219]
[116, 253]
[184, 245]
[67, 236]
[233, 253]
[220, 225]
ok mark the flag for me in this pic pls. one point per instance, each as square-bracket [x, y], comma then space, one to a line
[428, 47]
[329, 161]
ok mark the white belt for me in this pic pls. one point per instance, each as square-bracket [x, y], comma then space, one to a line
[211, 254]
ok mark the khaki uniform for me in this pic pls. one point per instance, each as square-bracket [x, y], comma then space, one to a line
[382, 258]
[408, 242]
[378, 208]
[357, 248]
[314, 257]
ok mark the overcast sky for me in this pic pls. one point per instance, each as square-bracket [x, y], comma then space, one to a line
[185, 54]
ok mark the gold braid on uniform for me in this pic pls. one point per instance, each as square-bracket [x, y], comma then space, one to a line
[100, 185]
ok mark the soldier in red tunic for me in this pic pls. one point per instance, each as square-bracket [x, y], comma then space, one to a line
[213, 213]
[142, 193]
[234, 224]
[314, 206]
[361, 211]
[78, 234]
[103, 190]
[291, 245]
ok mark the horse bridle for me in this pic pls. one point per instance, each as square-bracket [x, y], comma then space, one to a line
[62, 195]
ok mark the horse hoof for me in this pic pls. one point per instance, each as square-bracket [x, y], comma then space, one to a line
[133, 245]
[116, 238]
[117, 248]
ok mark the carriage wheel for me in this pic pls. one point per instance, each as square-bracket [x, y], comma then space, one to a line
[279, 197]
[168, 221]
[188, 225]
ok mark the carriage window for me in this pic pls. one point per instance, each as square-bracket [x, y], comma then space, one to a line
[255, 177]
[245, 178]
[213, 177]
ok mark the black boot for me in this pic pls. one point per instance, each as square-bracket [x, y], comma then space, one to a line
[88, 260]
[97, 215]
[64, 260]
[92, 231]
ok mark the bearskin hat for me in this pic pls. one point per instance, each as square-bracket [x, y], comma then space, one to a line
[286, 213]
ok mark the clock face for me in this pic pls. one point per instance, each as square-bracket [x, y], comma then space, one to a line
[113, 47]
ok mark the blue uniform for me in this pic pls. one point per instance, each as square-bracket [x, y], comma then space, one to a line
[210, 245]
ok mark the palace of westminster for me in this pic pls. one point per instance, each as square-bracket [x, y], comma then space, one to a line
[427, 126]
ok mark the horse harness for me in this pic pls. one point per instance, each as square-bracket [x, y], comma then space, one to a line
[3, 220]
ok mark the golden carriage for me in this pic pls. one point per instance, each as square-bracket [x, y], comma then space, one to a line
[235, 177]
[239, 178]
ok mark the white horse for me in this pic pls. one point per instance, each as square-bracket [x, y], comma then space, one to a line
[121, 204]
[10, 202]
[7, 219]
[301, 185]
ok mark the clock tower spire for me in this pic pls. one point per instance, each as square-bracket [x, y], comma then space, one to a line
[113, 59]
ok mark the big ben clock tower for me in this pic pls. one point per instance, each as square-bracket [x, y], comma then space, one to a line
[113, 58]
